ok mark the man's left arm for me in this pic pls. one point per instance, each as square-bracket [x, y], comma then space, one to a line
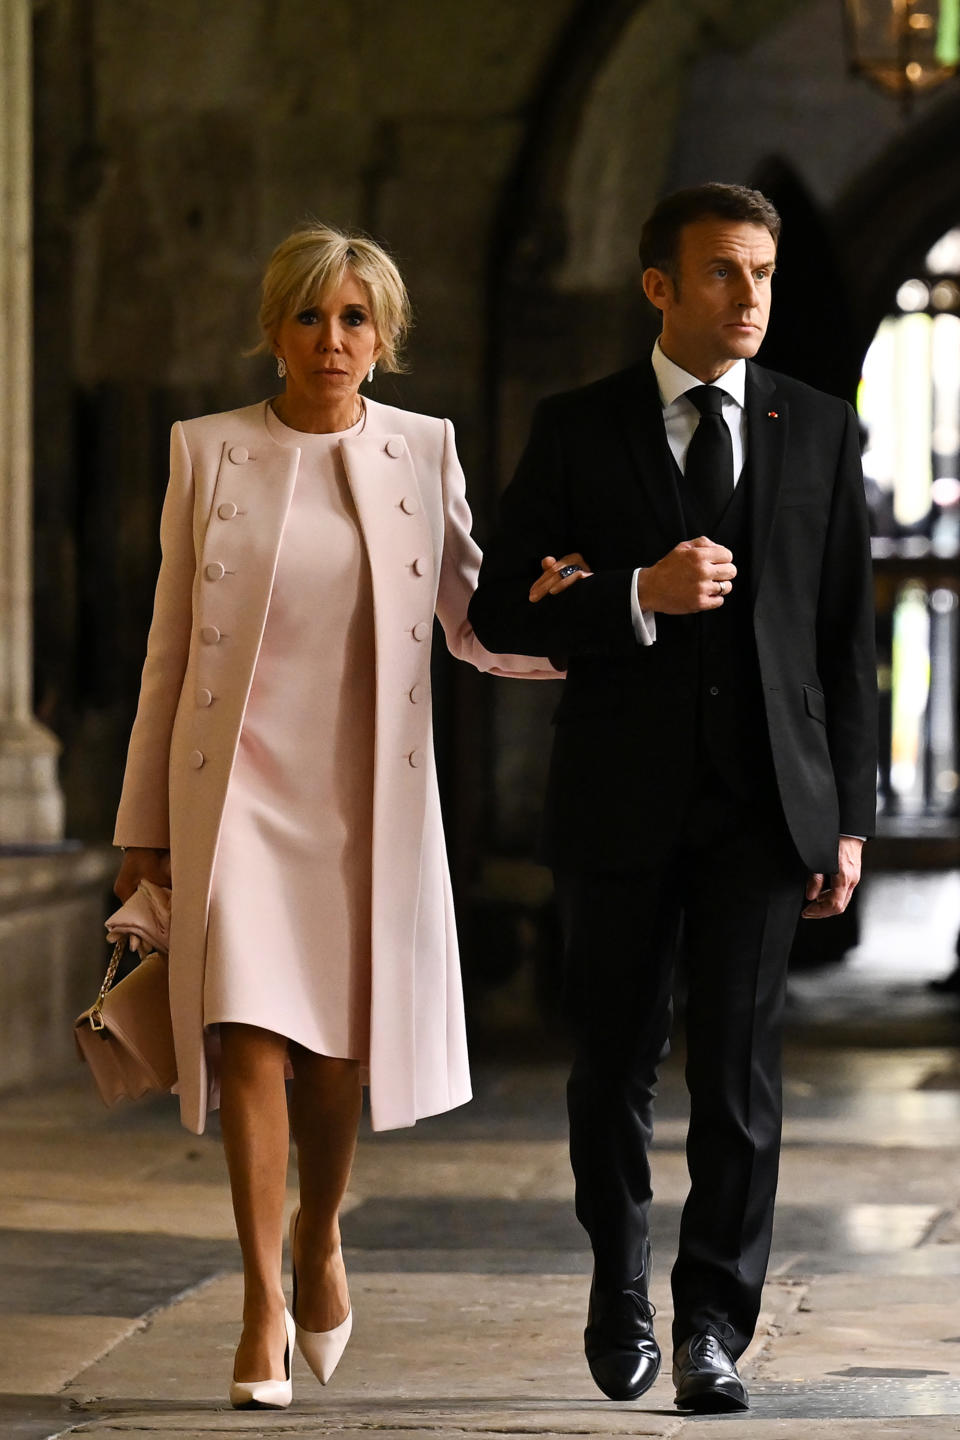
[847, 665]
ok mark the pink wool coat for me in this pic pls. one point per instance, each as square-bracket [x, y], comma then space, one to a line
[223, 518]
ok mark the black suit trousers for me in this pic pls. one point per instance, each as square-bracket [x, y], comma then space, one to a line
[729, 891]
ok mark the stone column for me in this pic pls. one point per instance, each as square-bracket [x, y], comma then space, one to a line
[31, 803]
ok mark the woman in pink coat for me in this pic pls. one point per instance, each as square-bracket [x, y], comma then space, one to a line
[281, 776]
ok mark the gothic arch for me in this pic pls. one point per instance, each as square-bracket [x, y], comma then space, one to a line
[895, 210]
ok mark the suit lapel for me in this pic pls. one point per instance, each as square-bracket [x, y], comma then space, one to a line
[767, 430]
[640, 415]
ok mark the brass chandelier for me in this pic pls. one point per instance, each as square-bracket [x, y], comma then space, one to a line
[904, 47]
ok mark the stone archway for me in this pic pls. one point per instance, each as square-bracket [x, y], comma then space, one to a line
[564, 303]
[895, 210]
[602, 144]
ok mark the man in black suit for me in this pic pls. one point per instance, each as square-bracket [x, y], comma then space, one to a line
[714, 759]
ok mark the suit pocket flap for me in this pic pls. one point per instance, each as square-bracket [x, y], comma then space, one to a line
[816, 703]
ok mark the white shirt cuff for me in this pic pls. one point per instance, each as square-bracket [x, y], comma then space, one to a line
[644, 621]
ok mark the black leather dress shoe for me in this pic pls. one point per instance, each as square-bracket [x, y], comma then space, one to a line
[619, 1343]
[706, 1377]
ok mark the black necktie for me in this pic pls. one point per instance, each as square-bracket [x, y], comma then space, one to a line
[708, 477]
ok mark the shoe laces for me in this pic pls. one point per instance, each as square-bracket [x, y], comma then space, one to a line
[717, 1337]
[647, 1310]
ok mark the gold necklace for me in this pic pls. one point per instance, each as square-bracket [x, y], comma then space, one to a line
[277, 407]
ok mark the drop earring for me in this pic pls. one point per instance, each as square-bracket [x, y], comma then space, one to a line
[370, 372]
[281, 366]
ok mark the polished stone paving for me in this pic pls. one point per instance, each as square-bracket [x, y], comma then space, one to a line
[64, 1273]
[863, 1397]
[524, 1236]
[119, 1275]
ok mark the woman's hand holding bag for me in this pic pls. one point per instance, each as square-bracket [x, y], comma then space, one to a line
[126, 1036]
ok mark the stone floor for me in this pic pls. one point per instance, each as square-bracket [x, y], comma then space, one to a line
[119, 1286]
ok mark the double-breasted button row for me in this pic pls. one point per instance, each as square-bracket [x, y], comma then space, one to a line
[213, 571]
[422, 630]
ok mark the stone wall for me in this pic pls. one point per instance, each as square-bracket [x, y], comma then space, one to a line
[53, 957]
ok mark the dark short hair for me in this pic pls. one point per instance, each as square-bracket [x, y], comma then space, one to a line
[660, 236]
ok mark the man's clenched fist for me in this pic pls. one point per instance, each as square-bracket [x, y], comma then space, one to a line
[695, 575]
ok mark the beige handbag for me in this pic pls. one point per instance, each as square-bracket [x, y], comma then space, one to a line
[126, 1036]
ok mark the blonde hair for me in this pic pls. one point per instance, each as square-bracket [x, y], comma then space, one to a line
[311, 262]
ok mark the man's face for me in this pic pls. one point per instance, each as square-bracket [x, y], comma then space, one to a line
[715, 311]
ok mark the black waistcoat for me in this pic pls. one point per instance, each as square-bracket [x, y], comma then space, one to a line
[732, 735]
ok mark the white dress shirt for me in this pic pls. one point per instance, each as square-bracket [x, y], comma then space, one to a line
[680, 418]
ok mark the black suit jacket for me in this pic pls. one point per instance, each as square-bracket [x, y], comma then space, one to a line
[597, 476]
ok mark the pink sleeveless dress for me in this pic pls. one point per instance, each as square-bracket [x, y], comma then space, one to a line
[296, 837]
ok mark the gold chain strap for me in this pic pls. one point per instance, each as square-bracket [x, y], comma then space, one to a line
[96, 1014]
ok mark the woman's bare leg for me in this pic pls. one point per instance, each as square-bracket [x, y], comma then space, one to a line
[324, 1110]
[255, 1126]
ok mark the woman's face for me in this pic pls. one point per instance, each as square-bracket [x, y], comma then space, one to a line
[329, 347]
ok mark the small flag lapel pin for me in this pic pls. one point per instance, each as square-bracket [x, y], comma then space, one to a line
[772, 415]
